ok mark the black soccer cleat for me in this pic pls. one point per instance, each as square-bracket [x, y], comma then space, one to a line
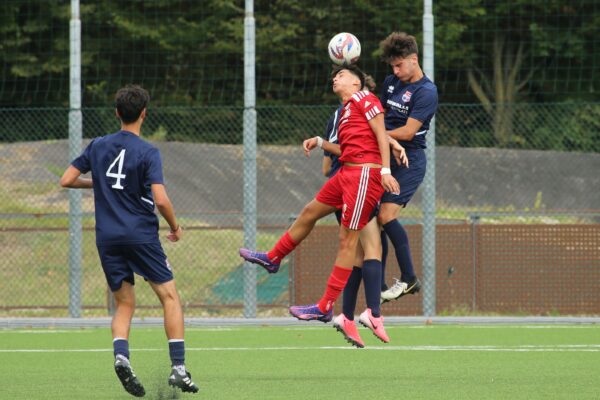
[127, 377]
[183, 382]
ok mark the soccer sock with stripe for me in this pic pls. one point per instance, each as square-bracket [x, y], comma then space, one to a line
[372, 277]
[177, 351]
[399, 239]
[335, 284]
[121, 346]
[284, 246]
[351, 293]
[384, 254]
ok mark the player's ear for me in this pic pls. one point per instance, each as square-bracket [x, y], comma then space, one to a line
[143, 114]
[117, 114]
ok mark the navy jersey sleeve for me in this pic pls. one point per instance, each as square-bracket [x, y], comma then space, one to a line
[425, 103]
[331, 133]
[154, 173]
[82, 163]
[384, 91]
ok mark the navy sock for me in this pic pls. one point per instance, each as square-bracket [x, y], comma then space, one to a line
[384, 254]
[372, 277]
[399, 239]
[177, 351]
[351, 293]
[121, 346]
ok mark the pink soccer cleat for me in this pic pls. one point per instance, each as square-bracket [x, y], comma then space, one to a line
[348, 328]
[374, 324]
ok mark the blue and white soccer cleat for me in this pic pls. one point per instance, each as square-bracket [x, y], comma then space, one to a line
[260, 258]
[311, 312]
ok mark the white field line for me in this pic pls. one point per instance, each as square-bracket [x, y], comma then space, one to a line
[522, 348]
[309, 328]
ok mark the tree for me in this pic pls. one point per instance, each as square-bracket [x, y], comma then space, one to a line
[530, 42]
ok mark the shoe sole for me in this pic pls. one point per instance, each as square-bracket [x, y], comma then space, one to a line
[372, 331]
[300, 318]
[125, 376]
[413, 290]
[183, 389]
[349, 339]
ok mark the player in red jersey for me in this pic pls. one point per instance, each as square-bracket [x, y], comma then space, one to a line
[355, 189]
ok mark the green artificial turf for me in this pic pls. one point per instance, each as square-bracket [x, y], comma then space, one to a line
[312, 361]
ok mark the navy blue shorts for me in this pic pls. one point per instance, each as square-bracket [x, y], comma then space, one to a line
[148, 260]
[409, 178]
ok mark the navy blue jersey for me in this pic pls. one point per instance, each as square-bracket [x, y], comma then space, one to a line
[416, 100]
[331, 135]
[123, 168]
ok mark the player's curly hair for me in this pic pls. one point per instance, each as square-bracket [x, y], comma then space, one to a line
[130, 101]
[353, 69]
[398, 44]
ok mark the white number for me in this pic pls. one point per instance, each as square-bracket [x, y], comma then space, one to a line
[120, 158]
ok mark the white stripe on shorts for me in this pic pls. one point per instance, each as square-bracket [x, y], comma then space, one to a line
[360, 198]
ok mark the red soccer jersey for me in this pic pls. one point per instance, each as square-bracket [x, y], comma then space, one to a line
[357, 141]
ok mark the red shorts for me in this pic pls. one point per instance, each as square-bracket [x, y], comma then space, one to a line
[355, 190]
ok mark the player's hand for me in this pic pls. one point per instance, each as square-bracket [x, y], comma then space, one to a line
[175, 235]
[390, 184]
[399, 154]
[308, 145]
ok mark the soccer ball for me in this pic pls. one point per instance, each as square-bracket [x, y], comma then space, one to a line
[344, 49]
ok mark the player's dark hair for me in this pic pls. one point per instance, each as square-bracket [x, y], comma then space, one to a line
[369, 83]
[398, 44]
[353, 69]
[130, 101]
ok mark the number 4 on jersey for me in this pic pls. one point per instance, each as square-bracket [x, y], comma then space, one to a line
[120, 158]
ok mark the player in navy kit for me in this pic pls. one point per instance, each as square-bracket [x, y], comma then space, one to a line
[355, 189]
[410, 100]
[127, 179]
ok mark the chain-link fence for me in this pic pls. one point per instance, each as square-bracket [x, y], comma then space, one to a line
[517, 132]
[544, 174]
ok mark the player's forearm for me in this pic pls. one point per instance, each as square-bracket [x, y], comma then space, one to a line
[332, 148]
[403, 133]
[384, 149]
[85, 183]
[168, 213]
[78, 183]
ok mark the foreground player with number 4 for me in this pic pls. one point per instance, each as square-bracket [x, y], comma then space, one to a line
[127, 179]
[355, 189]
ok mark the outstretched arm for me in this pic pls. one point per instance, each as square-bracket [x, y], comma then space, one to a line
[72, 179]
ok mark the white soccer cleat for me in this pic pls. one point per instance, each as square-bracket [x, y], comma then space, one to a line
[394, 292]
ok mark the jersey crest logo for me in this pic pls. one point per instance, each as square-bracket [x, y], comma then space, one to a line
[391, 89]
[406, 96]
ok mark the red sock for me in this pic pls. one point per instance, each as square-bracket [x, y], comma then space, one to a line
[284, 246]
[335, 284]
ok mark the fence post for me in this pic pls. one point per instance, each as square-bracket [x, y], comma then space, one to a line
[249, 159]
[429, 182]
[75, 134]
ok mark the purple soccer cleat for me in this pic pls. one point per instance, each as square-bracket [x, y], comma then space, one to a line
[260, 258]
[311, 312]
